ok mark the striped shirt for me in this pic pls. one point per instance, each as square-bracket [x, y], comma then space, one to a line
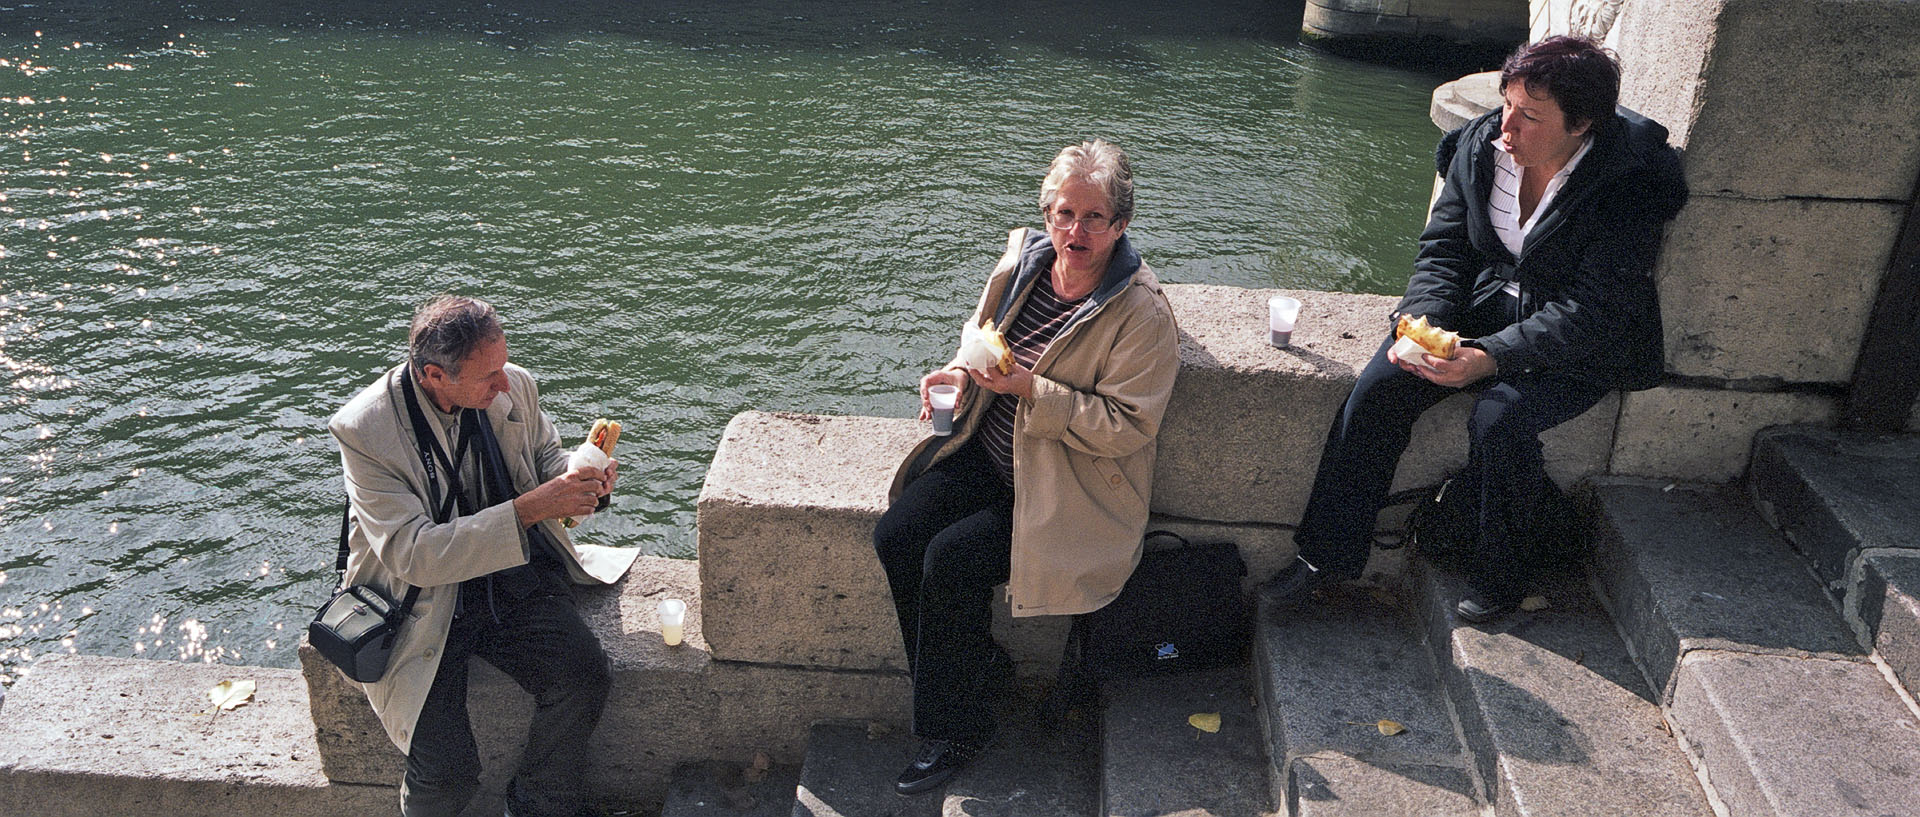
[1504, 200]
[1038, 323]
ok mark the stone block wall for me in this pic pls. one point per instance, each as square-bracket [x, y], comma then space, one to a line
[1799, 121]
[1801, 171]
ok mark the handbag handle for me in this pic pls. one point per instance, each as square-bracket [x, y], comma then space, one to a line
[1176, 537]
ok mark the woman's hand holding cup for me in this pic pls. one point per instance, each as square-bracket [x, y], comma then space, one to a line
[940, 377]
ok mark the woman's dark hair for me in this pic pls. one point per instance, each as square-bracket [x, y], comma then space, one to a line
[1580, 75]
[447, 329]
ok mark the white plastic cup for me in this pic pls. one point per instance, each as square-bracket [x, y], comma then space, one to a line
[673, 619]
[1282, 311]
[943, 398]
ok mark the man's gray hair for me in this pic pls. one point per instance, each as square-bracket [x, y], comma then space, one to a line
[447, 329]
[1100, 163]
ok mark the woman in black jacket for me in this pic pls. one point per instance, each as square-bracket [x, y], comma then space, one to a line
[1540, 252]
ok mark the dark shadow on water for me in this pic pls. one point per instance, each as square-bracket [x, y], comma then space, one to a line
[969, 36]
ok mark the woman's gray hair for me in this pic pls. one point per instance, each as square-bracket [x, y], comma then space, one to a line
[447, 329]
[1099, 162]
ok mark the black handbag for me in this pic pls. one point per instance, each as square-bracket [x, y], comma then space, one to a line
[355, 629]
[1182, 609]
[1551, 532]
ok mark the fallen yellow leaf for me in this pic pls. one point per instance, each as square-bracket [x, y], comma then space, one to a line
[1208, 722]
[227, 695]
[1534, 604]
[1388, 727]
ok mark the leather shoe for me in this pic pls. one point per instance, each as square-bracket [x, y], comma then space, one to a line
[1479, 608]
[936, 761]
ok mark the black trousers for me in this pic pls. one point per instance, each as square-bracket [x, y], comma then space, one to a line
[1504, 465]
[945, 544]
[541, 642]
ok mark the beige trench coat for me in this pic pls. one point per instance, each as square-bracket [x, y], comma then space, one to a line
[1083, 446]
[395, 542]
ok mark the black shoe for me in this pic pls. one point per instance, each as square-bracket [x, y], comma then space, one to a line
[936, 761]
[1293, 585]
[1479, 608]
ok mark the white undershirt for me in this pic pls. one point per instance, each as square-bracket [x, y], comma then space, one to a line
[1505, 199]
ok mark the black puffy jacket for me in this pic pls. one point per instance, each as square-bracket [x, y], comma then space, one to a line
[1588, 306]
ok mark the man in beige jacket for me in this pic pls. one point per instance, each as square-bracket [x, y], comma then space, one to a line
[468, 515]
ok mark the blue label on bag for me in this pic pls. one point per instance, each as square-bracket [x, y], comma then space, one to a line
[1165, 651]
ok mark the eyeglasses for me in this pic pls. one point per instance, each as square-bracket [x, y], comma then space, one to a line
[1065, 219]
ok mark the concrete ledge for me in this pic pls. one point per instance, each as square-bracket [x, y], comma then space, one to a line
[1458, 102]
[1467, 21]
[1243, 431]
[669, 706]
[90, 735]
[1690, 568]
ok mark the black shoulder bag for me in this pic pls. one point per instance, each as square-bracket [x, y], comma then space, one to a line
[356, 628]
[1182, 609]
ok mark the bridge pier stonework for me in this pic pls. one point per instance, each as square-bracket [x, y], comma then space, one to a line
[1500, 23]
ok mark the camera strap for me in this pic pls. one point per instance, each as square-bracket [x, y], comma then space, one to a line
[430, 452]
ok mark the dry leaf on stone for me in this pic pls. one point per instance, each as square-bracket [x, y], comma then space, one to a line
[756, 771]
[1390, 728]
[1534, 604]
[1208, 722]
[227, 695]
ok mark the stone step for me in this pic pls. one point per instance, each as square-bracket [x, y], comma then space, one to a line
[1027, 771]
[1784, 735]
[1687, 567]
[1851, 504]
[1329, 671]
[1155, 761]
[1886, 604]
[1034, 768]
[668, 705]
[1835, 494]
[849, 772]
[90, 735]
[1557, 715]
[718, 789]
[1771, 695]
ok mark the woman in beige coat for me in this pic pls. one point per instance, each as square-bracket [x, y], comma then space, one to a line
[1045, 483]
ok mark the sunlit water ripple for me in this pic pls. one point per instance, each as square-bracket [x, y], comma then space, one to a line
[217, 220]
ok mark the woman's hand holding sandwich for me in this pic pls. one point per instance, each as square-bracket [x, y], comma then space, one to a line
[1468, 366]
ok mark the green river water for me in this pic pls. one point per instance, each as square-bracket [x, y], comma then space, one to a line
[215, 221]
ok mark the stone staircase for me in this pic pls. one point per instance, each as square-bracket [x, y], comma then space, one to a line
[1700, 663]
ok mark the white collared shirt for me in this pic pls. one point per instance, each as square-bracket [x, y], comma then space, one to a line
[1504, 202]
